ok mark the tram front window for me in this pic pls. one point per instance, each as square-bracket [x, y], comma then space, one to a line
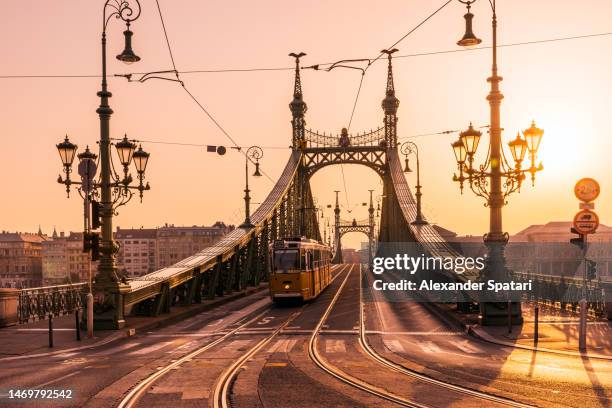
[284, 261]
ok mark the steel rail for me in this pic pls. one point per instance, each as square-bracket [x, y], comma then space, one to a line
[341, 375]
[136, 393]
[422, 377]
[224, 382]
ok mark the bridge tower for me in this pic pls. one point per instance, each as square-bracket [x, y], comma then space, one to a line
[390, 105]
[297, 106]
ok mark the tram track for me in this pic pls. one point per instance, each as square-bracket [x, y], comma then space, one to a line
[140, 389]
[369, 350]
[220, 398]
[344, 377]
[220, 394]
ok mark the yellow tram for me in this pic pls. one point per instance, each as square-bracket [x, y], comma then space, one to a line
[300, 269]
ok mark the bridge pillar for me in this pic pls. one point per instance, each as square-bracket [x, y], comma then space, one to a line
[496, 313]
[9, 300]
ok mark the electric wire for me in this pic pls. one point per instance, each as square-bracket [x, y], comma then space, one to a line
[201, 145]
[363, 72]
[161, 17]
[264, 69]
[197, 102]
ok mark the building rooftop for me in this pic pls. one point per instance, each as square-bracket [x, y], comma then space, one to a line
[22, 237]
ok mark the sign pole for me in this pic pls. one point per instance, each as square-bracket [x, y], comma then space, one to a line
[583, 302]
[585, 222]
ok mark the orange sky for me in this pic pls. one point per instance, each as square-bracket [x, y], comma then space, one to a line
[564, 86]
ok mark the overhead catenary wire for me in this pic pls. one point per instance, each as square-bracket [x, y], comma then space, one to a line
[264, 69]
[363, 73]
[202, 145]
[197, 102]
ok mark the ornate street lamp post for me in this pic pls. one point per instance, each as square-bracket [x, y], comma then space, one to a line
[408, 148]
[113, 190]
[253, 154]
[496, 178]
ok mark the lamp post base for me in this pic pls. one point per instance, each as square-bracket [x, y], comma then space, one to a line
[496, 313]
[108, 312]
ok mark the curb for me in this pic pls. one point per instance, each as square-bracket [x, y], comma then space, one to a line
[475, 332]
[479, 334]
[131, 331]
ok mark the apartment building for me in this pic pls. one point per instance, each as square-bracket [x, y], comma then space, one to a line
[137, 251]
[63, 259]
[21, 259]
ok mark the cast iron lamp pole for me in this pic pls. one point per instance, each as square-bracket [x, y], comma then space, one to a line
[114, 191]
[408, 148]
[253, 154]
[495, 179]
[107, 280]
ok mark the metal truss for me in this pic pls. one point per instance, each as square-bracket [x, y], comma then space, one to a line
[318, 157]
[371, 138]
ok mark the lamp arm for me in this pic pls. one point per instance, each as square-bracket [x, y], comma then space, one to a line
[121, 9]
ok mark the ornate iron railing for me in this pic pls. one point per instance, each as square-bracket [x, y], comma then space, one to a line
[371, 138]
[40, 303]
[565, 291]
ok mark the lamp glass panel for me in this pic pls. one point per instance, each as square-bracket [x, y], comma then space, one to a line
[518, 148]
[459, 150]
[141, 159]
[470, 141]
[533, 139]
[125, 152]
[67, 154]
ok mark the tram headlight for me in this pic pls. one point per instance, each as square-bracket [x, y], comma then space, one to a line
[287, 286]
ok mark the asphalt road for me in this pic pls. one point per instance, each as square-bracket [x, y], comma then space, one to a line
[282, 373]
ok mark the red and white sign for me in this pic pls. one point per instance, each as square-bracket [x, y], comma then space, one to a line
[586, 189]
[586, 222]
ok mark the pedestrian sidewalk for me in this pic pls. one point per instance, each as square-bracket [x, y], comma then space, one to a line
[557, 331]
[32, 339]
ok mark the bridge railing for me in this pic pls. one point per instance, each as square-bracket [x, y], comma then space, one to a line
[371, 138]
[425, 234]
[40, 303]
[201, 272]
[565, 291]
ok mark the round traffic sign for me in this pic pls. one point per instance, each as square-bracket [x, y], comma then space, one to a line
[586, 222]
[586, 189]
[87, 171]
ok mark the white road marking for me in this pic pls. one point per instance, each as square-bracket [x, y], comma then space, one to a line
[151, 348]
[429, 347]
[236, 344]
[335, 346]
[266, 320]
[282, 346]
[57, 379]
[66, 355]
[117, 349]
[46, 330]
[464, 345]
[186, 334]
[183, 347]
[416, 333]
[215, 323]
[394, 345]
